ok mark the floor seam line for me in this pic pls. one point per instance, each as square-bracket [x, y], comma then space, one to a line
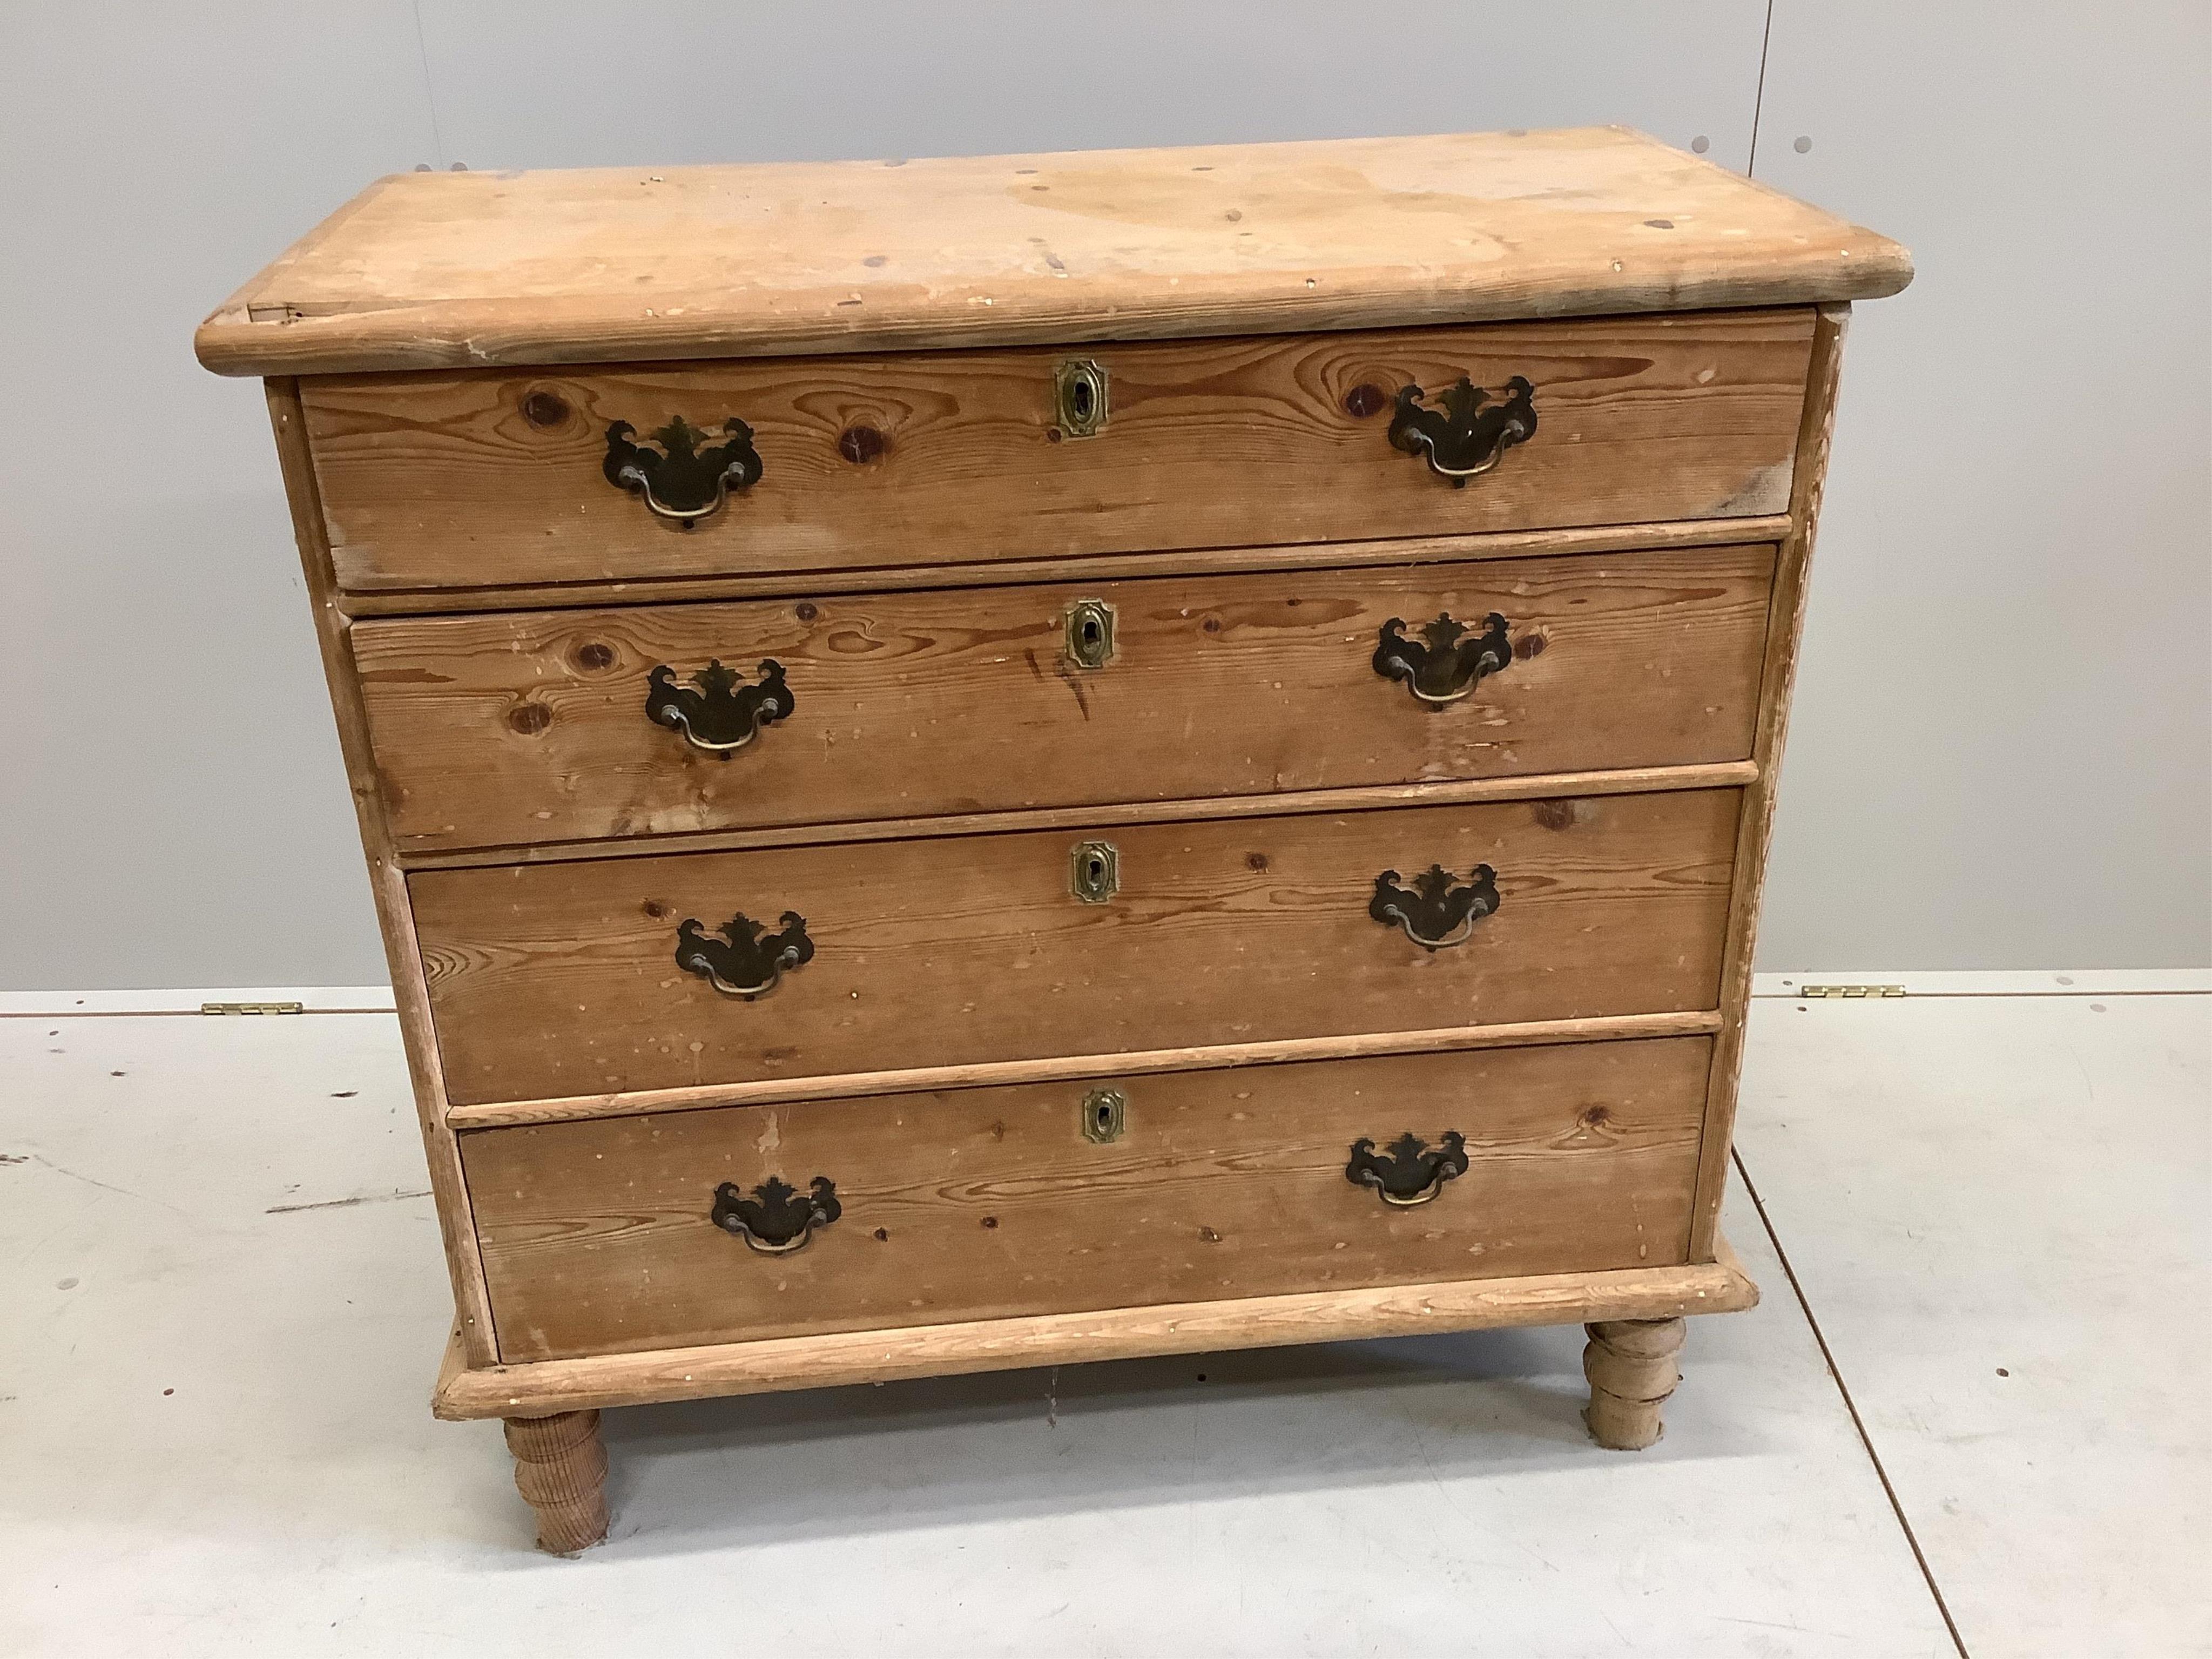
[1858, 1423]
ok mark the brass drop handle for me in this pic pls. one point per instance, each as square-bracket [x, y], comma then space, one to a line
[715, 712]
[678, 479]
[1439, 910]
[1468, 435]
[1447, 662]
[775, 1217]
[741, 958]
[1409, 1171]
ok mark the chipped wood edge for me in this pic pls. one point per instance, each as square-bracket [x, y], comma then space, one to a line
[395, 918]
[1785, 626]
[486, 1115]
[853, 1357]
[1666, 534]
[1542, 785]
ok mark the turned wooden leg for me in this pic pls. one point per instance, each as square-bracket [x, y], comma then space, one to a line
[561, 1467]
[1632, 1370]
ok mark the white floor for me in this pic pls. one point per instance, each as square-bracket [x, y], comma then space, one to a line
[221, 1299]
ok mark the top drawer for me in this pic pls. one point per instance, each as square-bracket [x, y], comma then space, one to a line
[501, 478]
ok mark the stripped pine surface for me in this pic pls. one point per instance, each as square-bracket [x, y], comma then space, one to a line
[558, 980]
[989, 1203]
[518, 728]
[496, 477]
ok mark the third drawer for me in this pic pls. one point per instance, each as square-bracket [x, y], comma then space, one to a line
[513, 729]
[631, 974]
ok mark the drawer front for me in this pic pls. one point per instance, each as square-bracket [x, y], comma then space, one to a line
[512, 728]
[563, 980]
[599, 1236]
[502, 478]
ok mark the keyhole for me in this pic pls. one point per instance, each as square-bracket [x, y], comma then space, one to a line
[1091, 632]
[1096, 871]
[1105, 1114]
[1078, 399]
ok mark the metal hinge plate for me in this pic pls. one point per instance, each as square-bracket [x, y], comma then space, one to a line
[1851, 990]
[253, 1007]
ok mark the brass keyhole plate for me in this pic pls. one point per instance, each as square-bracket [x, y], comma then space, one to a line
[1091, 633]
[1094, 871]
[1103, 1113]
[1079, 397]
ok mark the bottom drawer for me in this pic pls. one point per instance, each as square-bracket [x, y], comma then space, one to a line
[602, 1235]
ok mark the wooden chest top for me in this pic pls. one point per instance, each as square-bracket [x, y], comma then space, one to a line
[468, 270]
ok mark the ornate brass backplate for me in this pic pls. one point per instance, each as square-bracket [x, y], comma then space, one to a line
[1437, 911]
[745, 961]
[1409, 1171]
[720, 715]
[1448, 663]
[1469, 434]
[775, 1218]
[679, 481]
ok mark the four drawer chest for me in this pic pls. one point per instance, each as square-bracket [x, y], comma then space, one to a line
[1016, 760]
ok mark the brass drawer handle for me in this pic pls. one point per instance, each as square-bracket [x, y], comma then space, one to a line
[1469, 434]
[1436, 912]
[679, 481]
[721, 716]
[777, 1219]
[1409, 1171]
[740, 962]
[1450, 665]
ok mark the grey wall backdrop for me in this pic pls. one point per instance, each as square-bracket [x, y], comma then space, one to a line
[2002, 755]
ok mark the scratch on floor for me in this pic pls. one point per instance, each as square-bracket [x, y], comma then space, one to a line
[344, 1203]
[123, 1192]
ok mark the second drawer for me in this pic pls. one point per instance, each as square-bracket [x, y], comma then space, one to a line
[637, 974]
[511, 729]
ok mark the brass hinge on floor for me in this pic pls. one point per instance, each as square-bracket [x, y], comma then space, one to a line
[253, 1007]
[1851, 990]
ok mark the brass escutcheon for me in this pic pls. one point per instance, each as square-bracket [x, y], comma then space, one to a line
[1091, 633]
[1102, 1112]
[1094, 871]
[1079, 396]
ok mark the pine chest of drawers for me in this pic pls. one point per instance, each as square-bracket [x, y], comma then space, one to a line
[996, 762]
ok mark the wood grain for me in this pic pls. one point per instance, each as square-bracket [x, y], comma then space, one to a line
[1074, 568]
[447, 269]
[561, 1467]
[1063, 1068]
[1785, 630]
[1631, 1366]
[989, 1203]
[859, 1357]
[495, 477]
[1629, 781]
[525, 727]
[560, 980]
[395, 918]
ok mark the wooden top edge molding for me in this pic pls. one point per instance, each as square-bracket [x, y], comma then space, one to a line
[1719, 1286]
[492, 1114]
[468, 270]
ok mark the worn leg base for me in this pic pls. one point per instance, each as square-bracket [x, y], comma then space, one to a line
[1632, 1370]
[561, 1467]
